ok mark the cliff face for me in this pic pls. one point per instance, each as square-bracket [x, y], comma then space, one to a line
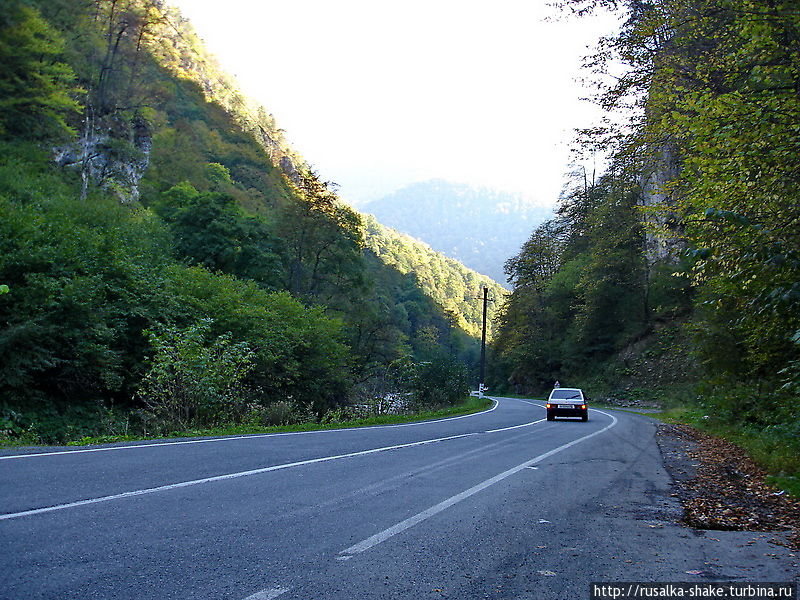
[114, 155]
[664, 241]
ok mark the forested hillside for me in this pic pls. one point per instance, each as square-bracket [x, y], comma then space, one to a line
[168, 261]
[676, 275]
[476, 226]
[444, 279]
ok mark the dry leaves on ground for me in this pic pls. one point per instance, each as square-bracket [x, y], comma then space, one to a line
[728, 490]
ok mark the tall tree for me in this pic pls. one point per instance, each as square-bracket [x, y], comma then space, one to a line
[37, 90]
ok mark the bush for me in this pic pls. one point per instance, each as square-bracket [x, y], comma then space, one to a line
[299, 351]
[438, 382]
[279, 413]
[195, 383]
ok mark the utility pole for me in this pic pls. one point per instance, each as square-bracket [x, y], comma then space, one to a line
[483, 343]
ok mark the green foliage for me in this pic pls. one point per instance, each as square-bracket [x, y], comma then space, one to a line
[193, 381]
[711, 122]
[85, 281]
[579, 290]
[454, 287]
[211, 231]
[669, 291]
[37, 90]
[219, 229]
[471, 405]
[218, 174]
[323, 239]
[716, 82]
[440, 382]
[88, 278]
[299, 352]
[60, 422]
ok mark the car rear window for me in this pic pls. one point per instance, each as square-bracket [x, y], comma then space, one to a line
[565, 395]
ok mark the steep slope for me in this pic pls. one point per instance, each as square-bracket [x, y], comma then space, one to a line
[176, 225]
[452, 285]
[481, 228]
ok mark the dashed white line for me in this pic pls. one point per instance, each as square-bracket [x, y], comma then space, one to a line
[269, 594]
[515, 426]
[183, 484]
[390, 532]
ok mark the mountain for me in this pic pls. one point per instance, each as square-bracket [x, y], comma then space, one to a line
[453, 286]
[154, 220]
[480, 227]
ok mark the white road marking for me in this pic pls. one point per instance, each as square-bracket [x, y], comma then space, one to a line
[236, 475]
[243, 437]
[515, 426]
[384, 535]
[270, 594]
[183, 484]
[524, 401]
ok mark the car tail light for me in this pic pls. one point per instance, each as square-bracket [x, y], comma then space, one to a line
[583, 406]
[548, 405]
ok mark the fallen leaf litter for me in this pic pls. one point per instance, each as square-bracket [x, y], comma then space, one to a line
[728, 490]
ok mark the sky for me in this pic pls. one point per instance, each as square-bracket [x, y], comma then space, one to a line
[377, 95]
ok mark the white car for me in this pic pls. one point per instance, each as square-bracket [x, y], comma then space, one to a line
[567, 402]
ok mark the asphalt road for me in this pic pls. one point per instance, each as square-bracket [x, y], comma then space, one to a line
[502, 504]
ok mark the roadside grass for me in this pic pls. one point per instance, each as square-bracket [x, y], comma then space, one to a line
[469, 406]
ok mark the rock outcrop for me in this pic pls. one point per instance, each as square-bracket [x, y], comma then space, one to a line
[664, 241]
[114, 156]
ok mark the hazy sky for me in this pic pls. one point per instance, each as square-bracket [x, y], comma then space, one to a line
[379, 94]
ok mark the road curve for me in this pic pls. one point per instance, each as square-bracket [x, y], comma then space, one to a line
[497, 504]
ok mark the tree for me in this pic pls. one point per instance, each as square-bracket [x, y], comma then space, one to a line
[193, 381]
[579, 287]
[37, 91]
[440, 381]
[211, 231]
[323, 239]
[718, 81]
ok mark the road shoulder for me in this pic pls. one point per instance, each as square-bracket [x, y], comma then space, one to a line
[721, 488]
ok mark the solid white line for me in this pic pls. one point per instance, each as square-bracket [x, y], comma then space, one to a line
[270, 594]
[243, 437]
[433, 510]
[183, 484]
[236, 475]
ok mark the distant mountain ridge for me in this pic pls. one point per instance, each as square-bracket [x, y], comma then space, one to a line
[482, 228]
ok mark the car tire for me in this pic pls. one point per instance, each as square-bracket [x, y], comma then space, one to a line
[585, 417]
[550, 417]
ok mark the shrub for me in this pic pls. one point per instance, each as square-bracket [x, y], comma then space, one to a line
[279, 413]
[440, 381]
[195, 383]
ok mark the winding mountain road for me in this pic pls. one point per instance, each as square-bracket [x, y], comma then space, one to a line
[500, 504]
